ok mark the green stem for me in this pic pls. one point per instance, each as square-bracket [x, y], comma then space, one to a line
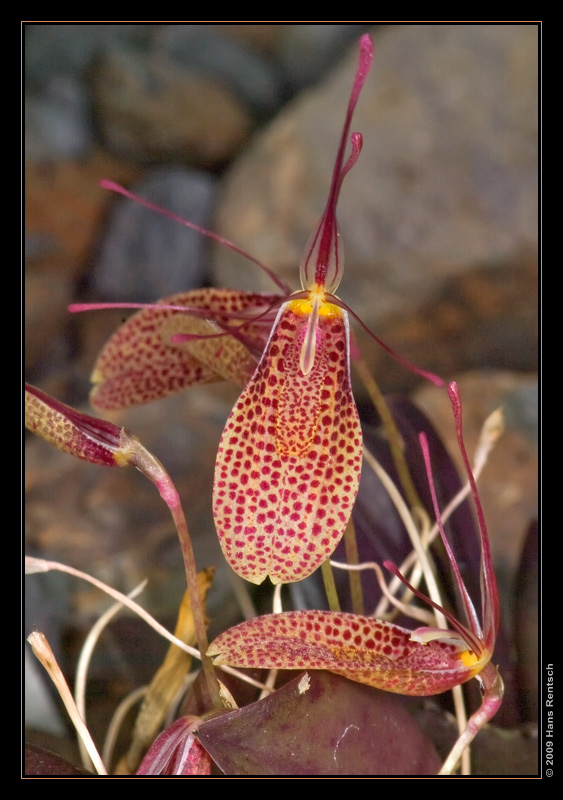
[354, 576]
[330, 586]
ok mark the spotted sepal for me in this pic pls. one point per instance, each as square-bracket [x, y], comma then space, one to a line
[140, 362]
[289, 459]
[363, 649]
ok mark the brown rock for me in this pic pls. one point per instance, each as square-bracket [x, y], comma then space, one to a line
[486, 316]
[64, 204]
[151, 111]
[64, 209]
[257, 37]
[48, 291]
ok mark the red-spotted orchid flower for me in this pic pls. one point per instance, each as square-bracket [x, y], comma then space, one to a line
[289, 459]
[383, 655]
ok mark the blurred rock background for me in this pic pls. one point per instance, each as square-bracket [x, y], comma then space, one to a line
[235, 127]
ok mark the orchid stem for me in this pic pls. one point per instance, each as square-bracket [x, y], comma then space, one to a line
[330, 586]
[492, 699]
[153, 469]
[354, 577]
[196, 603]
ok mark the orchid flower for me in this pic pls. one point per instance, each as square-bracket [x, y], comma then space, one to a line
[380, 654]
[289, 459]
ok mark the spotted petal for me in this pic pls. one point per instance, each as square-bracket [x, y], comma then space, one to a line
[140, 362]
[363, 649]
[289, 459]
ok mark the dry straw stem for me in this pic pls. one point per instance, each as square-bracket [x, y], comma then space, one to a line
[84, 663]
[42, 650]
[33, 565]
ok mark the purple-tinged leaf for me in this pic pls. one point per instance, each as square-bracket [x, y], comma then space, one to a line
[461, 530]
[380, 532]
[41, 763]
[320, 724]
[526, 626]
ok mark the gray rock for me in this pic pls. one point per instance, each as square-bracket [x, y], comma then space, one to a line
[58, 121]
[69, 49]
[144, 256]
[206, 50]
[308, 52]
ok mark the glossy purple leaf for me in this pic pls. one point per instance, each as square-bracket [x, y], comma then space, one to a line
[41, 763]
[380, 532]
[461, 528]
[333, 727]
[526, 626]
[462, 533]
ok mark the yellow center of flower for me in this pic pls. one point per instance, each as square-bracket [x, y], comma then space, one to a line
[306, 305]
[469, 658]
[313, 306]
